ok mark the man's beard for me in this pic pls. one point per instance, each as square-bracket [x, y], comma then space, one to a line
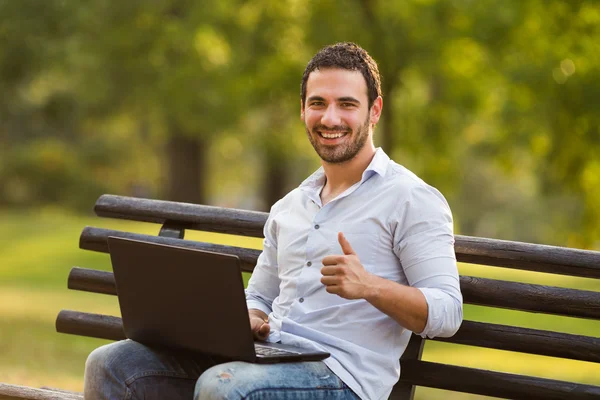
[343, 152]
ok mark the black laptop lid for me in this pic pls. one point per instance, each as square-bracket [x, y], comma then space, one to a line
[182, 298]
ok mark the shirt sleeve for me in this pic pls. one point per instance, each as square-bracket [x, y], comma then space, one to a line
[424, 244]
[263, 286]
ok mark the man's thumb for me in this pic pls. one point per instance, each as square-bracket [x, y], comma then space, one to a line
[264, 330]
[346, 248]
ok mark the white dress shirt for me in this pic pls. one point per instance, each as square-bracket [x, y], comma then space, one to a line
[400, 228]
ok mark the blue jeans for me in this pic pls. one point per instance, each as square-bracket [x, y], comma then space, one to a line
[130, 370]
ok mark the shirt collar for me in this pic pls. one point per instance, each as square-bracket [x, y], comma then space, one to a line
[378, 165]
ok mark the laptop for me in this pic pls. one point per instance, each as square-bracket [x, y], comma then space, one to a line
[188, 299]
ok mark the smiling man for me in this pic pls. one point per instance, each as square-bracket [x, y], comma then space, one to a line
[354, 260]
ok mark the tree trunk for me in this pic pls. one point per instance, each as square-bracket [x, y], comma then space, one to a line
[274, 185]
[387, 132]
[187, 165]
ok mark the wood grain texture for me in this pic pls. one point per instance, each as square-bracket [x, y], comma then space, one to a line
[14, 392]
[510, 254]
[96, 239]
[192, 216]
[91, 325]
[479, 291]
[530, 297]
[490, 383]
[494, 336]
[509, 295]
[526, 340]
[91, 280]
[528, 256]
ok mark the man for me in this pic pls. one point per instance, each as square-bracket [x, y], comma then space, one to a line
[354, 260]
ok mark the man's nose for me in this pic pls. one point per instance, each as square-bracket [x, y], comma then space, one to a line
[331, 118]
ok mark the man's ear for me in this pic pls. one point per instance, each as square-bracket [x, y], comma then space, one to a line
[375, 112]
[301, 110]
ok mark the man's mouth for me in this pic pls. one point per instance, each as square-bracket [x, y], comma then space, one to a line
[331, 135]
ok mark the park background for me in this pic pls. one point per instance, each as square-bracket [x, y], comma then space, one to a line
[494, 102]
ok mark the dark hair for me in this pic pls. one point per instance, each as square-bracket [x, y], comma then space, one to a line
[348, 56]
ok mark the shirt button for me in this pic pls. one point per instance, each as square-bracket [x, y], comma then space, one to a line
[308, 264]
[316, 226]
[301, 300]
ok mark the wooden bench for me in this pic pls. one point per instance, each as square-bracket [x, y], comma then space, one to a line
[14, 392]
[176, 218]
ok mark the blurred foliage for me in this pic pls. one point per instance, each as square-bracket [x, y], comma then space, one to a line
[492, 101]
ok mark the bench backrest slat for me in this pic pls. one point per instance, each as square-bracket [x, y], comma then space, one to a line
[491, 383]
[493, 252]
[477, 334]
[528, 256]
[193, 216]
[479, 291]
[530, 297]
[526, 340]
[91, 325]
[95, 239]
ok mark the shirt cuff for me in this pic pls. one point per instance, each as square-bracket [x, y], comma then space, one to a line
[443, 319]
[258, 306]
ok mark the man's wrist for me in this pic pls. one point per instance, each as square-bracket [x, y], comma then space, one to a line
[372, 289]
[256, 313]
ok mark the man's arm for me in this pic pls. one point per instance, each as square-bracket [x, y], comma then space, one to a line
[346, 277]
[262, 289]
[263, 286]
[407, 305]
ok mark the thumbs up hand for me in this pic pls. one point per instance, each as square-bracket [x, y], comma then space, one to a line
[344, 275]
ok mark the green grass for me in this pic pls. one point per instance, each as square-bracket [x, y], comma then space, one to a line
[37, 250]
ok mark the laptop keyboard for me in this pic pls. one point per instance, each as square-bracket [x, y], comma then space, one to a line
[262, 350]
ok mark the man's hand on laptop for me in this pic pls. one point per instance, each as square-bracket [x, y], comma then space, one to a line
[259, 323]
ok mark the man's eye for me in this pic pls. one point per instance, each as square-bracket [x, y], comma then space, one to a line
[316, 103]
[347, 105]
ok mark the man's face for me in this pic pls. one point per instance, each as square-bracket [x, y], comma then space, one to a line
[336, 113]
